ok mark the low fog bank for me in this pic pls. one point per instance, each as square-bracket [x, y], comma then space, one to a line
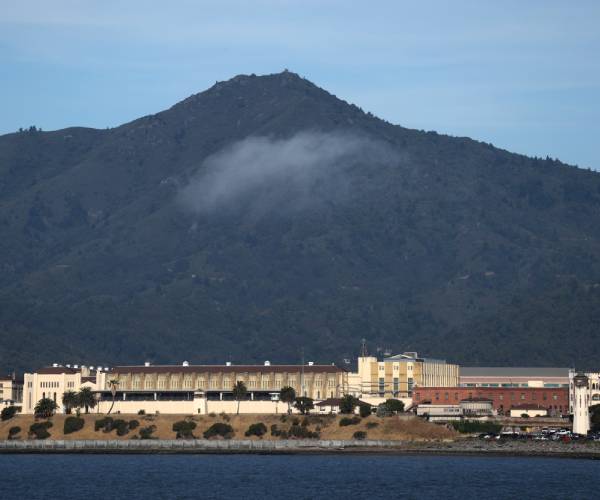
[263, 174]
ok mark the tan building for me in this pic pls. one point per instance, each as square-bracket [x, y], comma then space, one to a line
[11, 391]
[53, 381]
[397, 376]
[205, 385]
[185, 388]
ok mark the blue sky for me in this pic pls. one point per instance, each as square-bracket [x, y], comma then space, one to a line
[524, 76]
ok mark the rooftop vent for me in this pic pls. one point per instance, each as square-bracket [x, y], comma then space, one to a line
[186, 363]
[311, 363]
[55, 365]
[68, 366]
[76, 366]
[228, 363]
[106, 368]
[147, 363]
[91, 367]
[267, 363]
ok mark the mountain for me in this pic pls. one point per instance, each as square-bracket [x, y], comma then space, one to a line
[264, 216]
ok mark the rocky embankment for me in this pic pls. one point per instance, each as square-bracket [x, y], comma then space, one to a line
[458, 447]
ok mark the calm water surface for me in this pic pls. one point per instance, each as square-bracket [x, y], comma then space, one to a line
[295, 477]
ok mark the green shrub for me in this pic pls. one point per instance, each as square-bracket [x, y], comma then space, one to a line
[184, 429]
[141, 412]
[73, 424]
[372, 425]
[212, 414]
[121, 425]
[219, 429]
[298, 431]
[364, 410]
[349, 421]
[469, 426]
[133, 424]
[103, 424]
[394, 405]
[258, 429]
[8, 412]
[39, 430]
[359, 435]
[13, 431]
[146, 432]
[275, 430]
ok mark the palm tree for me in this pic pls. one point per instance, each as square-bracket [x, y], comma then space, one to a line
[86, 398]
[45, 408]
[69, 400]
[239, 392]
[113, 390]
[288, 395]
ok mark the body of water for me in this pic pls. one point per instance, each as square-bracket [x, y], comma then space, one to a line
[295, 476]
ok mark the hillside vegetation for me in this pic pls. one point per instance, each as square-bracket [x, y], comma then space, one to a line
[265, 215]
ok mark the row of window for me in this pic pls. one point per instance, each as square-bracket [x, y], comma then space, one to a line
[523, 396]
[216, 383]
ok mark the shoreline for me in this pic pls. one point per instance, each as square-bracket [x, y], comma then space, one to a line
[295, 447]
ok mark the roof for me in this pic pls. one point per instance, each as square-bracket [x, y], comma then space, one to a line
[227, 369]
[410, 357]
[337, 402]
[56, 370]
[508, 371]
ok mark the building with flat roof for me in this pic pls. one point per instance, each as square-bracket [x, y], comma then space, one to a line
[398, 376]
[555, 400]
[11, 391]
[502, 376]
[185, 388]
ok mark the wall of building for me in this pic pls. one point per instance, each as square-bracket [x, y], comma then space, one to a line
[556, 401]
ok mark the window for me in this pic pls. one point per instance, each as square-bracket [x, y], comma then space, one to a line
[522, 395]
[446, 396]
[382, 386]
[396, 386]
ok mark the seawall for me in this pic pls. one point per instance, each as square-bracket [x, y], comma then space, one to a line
[459, 447]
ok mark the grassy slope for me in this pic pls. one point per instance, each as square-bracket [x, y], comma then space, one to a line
[388, 428]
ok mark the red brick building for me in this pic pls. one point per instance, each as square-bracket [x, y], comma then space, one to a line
[555, 400]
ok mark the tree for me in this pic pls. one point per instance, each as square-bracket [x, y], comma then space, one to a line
[239, 393]
[69, 400]
[288, 395]
[45, 408]
[86, 399]
[8, 412]
[304, 404]
[113, 391]
[348, 403]
[364, 410]
[394, 405]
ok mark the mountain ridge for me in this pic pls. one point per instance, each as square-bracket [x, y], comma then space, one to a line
[453, 238]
